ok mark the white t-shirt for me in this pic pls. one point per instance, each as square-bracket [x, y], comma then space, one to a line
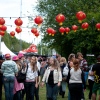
[30, 76]
[91, 77]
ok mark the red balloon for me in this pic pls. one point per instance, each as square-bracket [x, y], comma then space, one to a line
[50, 31]
[80, 16]
[3, 28]
[67, 30]
[74, 28]
[60, 18]
[37, 34]
[85, 25]
[12, 33]
[34, 30]
[62, 30]
[18, 22]
[98, 26]
[53, 32]
[2, 33]
[38, 20]
[18, 29]
[2, 21]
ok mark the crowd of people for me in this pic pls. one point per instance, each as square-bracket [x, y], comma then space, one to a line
[55, 72]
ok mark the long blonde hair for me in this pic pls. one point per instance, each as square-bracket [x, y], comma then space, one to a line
[71, 56]
[56, 64]
[63, 59]
[34, 65]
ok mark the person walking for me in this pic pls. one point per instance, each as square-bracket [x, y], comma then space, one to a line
[63, 65]
[31, 78]
[58, 57]
[9, 69]
[18, 87]
[84, 67]
[76, 81]
[22, 62]
[71, 59]
[53, 78]
[96, 73]
[37, 88]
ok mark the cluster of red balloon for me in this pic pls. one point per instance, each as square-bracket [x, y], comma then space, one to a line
[3, 28]
[18, 22]
[38, 20]
[60, 18]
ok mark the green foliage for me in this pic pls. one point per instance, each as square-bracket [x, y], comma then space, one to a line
[14, 44]
[86, 41]
[44, 50]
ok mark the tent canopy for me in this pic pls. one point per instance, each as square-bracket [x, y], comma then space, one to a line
[32, 49]
[5, 50]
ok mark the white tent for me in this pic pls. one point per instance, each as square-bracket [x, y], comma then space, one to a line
[5, 50]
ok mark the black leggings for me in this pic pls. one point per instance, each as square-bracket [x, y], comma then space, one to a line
[76, 91]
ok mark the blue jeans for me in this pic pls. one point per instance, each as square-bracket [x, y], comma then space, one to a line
[8, 87]
[52, 91]
[86, 76]
[64, 85]
[30, 90]
[69, 98]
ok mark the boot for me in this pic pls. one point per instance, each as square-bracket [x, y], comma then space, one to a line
[63, 93]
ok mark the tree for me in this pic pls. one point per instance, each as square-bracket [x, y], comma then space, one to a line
[44, 50]
[86, 41]
[13, 43]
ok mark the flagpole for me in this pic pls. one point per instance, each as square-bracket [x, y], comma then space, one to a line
[20, 16]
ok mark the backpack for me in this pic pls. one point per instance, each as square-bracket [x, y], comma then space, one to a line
[21, 77]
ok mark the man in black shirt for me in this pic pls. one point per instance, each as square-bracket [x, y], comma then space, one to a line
[96, 73]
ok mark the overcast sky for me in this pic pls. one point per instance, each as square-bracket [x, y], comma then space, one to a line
[13, 8]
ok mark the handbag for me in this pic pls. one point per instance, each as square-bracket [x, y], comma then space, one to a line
[21, 77]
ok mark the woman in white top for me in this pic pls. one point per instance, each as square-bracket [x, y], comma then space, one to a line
[31, 79]
[53, 78]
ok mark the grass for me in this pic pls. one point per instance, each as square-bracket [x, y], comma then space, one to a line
[42, 94]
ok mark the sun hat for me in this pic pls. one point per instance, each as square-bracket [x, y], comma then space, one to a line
[14, 58]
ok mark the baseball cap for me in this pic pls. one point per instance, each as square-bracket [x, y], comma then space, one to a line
[7, 55]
